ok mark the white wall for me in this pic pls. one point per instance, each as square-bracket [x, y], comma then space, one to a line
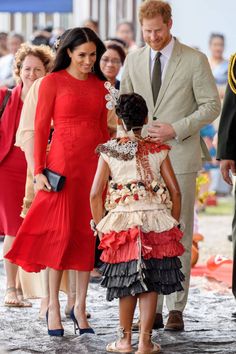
[195, 20]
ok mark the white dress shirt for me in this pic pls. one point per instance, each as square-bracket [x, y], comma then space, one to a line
[6, 68]
[164, 58]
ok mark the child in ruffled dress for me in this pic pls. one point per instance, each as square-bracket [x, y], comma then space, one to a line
[140, 235]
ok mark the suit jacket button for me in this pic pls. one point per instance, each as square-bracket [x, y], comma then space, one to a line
[154, 118]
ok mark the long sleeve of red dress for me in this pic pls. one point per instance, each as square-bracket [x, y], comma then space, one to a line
[44, 114]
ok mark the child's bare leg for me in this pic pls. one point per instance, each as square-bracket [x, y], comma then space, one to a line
[147, 305]
[127, 306]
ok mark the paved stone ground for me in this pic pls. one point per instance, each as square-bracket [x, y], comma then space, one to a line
[209, 327]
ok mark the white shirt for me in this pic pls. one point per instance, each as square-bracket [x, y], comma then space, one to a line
[6, 63]
[6, 68]
[164, 58]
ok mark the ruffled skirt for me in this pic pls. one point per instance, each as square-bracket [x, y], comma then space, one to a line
[141, 254]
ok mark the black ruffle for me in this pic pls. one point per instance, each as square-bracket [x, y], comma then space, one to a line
[160, 275]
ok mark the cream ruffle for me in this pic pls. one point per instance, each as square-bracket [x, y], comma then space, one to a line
[148, 220]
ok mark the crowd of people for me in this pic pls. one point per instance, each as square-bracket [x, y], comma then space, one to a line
[100, 147]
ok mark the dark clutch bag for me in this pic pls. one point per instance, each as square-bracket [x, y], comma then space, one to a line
[55, 180]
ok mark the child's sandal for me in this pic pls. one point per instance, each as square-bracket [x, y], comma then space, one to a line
[113, 348]
[155, 349]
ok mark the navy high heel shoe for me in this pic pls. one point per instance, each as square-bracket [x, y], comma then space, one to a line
[54, 332]
[76, 325]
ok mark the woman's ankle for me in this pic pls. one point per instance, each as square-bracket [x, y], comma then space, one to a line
[44, 305]
[80, 308]
[11, 285]
[70, 301]
[52, 306]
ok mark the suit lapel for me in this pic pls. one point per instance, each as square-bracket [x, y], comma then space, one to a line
[172, 65]
[147, 85]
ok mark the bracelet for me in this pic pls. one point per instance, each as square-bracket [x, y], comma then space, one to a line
[93, 227]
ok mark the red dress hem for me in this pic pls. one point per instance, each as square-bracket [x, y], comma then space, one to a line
[36, 268]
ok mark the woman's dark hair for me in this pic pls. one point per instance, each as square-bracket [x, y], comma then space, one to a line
[132, 109]
[76, 37]
[118, 49]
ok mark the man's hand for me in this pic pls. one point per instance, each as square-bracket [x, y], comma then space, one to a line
[161, 132]
[225, 167]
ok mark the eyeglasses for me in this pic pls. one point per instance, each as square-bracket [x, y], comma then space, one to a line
[112, 61]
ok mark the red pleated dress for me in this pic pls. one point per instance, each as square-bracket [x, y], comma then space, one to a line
[56, 231]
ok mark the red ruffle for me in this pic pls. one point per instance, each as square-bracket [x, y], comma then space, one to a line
[123, 246]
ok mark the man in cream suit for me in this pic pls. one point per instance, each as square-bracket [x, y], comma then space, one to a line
[180, 91]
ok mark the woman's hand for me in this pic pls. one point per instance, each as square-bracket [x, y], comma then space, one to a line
[41, 183]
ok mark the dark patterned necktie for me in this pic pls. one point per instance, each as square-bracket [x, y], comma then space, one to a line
[156, 77]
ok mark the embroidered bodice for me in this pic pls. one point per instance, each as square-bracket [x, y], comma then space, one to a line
[136, 181]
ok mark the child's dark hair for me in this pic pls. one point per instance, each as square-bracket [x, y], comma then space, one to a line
[132, 109]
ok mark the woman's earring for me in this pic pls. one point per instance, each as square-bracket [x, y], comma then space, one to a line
[92, 70]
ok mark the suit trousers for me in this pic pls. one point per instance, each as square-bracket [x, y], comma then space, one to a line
[234, 247]
[187, 183]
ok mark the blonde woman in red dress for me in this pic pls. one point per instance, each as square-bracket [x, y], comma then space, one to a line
[31, 63]
[56, 230]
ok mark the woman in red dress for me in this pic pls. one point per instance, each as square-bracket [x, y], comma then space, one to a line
[56, 230]
[31, 63]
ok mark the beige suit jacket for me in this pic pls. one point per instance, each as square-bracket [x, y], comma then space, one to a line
[188, 99]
